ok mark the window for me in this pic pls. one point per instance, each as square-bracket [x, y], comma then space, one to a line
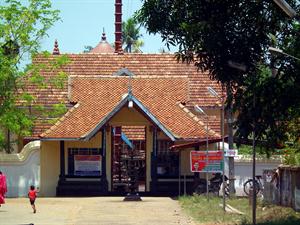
[167, 161]
[84, 161]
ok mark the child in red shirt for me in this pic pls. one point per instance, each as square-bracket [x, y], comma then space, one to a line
[32, 194]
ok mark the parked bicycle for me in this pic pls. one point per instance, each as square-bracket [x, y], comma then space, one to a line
[249, 184]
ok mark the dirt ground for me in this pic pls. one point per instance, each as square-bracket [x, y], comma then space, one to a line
[93, 211]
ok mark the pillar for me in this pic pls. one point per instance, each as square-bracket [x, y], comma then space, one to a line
[104, 182]
[153, 184]
[62, 161]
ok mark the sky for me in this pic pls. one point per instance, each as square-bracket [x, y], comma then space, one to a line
[82, 23]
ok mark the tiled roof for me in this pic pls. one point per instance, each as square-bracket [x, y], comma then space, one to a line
[103, 47]
[213, 121]
[40, 126]
[134, 132]
[98, 96]
[160, 65]
[48, 96]
[107, 64]
[200, 120]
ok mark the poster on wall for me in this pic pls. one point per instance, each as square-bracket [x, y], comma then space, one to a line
[87, 165]
[202, 161]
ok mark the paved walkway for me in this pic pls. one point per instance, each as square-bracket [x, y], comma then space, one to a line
[93, 211]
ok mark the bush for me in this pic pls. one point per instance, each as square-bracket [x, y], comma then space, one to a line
[292, 155]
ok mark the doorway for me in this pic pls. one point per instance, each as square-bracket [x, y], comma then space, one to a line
[128, 158]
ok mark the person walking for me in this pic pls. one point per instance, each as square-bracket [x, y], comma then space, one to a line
[32, 194]
[3, 188]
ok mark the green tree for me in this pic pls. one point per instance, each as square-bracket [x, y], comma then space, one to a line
[131, 36]
[22, 26]
[230, 39]
[137, 46]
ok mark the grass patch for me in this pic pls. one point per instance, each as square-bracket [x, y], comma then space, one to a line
[209, 212]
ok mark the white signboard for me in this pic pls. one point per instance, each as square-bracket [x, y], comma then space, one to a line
[87, 165]
[231, 152]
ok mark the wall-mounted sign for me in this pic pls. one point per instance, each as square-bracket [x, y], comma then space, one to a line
[87, 165]
[202, 161]
[231, 152]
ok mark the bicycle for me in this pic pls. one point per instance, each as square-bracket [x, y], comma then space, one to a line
[248, 185]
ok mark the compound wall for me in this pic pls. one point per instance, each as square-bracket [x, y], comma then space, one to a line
[21, 170]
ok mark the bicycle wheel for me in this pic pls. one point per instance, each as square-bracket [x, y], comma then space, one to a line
[227, 191]
[248, 185]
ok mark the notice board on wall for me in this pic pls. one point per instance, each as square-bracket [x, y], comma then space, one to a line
[87, 165]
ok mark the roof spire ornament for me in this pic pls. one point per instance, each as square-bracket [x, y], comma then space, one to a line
[55, 49]
[103, 38]
[103, 46]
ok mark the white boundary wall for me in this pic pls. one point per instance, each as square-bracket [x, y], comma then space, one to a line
[21, 170]
[243, 169]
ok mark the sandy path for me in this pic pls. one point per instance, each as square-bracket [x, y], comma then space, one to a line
[93, 211]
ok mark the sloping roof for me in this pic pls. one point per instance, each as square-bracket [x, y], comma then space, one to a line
[134, 132]
[107, 64]
[155, 65]
[103, 47]
[196, 144]
[98, 96]
[126, 98]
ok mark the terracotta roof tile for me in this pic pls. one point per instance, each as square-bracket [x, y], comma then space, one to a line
[103, 46]
[212, 132]
[134, 132]
[99, 96]
[40, 125]
[106, 64]
[141, 65]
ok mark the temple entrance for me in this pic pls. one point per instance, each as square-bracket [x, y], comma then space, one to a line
[128, 158]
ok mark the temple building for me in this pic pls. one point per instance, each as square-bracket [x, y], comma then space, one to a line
[123, 108]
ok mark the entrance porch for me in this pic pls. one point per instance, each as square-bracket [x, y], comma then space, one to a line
[102, 165]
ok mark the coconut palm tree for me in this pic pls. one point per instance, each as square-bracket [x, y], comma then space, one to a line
[137, 46]
[131, 36]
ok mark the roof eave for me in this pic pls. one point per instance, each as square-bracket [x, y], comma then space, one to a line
[197, 143]
[59, 139]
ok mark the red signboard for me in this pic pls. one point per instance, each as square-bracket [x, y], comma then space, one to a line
[206, 161]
